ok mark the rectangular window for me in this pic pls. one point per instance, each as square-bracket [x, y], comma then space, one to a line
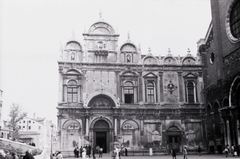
[29, 121]
[29, 127]
[128, 98]
[72, 95]
[150, 95]
[23, 127]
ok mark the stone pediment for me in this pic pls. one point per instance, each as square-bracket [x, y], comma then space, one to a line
[190, 75]
[150, 75]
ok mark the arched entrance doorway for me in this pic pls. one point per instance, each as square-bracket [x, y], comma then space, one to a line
[101, 135]
[174, 138]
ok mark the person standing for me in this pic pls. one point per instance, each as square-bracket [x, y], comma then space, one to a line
[185, 152]
[15, 156]
[100, 152]
[126, 151]
[8, 156]
[199, 150]
[80, 151]
[173, 153]
[28, 155]
[84, 153]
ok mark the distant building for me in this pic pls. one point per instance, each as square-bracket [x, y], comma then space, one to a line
[220, 51]
[36, 130]
[111, 94]
[5, 132]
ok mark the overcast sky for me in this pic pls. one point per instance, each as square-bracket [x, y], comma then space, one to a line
[32, 32]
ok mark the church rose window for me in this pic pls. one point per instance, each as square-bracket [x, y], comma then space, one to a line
[235, 19]
[72, 92]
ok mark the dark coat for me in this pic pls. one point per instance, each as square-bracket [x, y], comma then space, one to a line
[28, 156]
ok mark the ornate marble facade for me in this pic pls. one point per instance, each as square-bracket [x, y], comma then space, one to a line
[113, 94]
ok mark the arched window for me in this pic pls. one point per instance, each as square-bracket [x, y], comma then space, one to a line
[150, 92]
[127, 126]
[190, 92]
[129, 92]
[73, 126]
[72, 92]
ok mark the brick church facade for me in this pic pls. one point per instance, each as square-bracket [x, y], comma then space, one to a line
[112, 94]
[220, 52]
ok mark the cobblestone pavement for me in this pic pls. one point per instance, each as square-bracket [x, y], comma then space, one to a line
[204, 156]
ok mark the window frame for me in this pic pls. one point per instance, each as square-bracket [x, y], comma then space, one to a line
[228, 22]
[72, 92]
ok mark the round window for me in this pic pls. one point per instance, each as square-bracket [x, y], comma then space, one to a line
[233, 21]
[212, 58]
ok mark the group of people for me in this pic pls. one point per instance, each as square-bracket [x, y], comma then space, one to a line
[86, 151]
[173, 152]
[234, 150]
[13, 155]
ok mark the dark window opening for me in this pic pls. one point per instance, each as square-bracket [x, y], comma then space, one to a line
[190, 89]
[128, 98]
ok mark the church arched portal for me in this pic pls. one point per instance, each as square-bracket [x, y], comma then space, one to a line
[102, 135]
[174, 138]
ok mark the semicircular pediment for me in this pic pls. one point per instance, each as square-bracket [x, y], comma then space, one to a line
[101, 124]
[169, 60]
[189, 61]
[128, 48]
[150, 60]
[101, 101]
[101, 28]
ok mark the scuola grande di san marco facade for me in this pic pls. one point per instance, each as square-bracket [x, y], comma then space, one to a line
[113, 94]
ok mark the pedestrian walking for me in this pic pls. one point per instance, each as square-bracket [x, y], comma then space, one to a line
[226, 150]
[173, 153]
[185, 152]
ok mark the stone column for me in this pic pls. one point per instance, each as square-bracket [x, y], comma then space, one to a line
[141, 126]
[161, 86]
[87, 128]
[65, 93]
[228, 133]
[118, 85]
[60, 85]
[140, 87]
[115, 126]
[180, 85]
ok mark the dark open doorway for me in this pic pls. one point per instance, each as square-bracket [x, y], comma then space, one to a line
[101, 140]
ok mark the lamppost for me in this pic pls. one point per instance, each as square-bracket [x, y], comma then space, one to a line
[51, 137]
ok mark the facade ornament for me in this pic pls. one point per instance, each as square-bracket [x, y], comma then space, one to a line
[169, 51]
[100, 15]
[128, 37]
[189, 52]
[170, 87]
[149, 51]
